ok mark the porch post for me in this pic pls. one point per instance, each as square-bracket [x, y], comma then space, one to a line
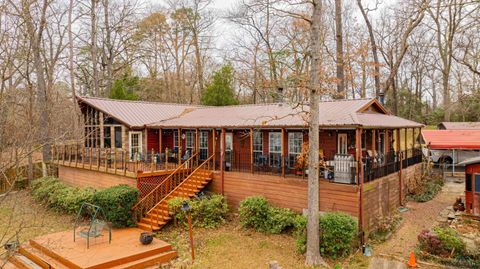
[146, 145]
[222, 159]
[374, 147]
[283, 152]
[160, 144]
[251, 150]
[406, 143]
[196, 144]
[102, 131]
[359, 169]
[179, 150]
[401, 168]
[112, 136]
[214, 142]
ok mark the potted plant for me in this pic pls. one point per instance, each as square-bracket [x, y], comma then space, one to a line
[146, 238]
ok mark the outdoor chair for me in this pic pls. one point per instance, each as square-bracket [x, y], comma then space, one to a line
[95, 230]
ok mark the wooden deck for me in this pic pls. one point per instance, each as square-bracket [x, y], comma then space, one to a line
[125, 251]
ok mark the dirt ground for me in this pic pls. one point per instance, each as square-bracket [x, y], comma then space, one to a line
[22, 218]
[419, 216]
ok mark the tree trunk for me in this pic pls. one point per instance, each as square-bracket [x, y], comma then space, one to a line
[339, 46]
[93, 49]
[70, 51]
[374, 49]
[313, 241]
[109, 52]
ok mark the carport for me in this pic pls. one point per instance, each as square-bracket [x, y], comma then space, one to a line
[453, 140]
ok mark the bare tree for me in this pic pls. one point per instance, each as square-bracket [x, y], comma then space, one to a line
[339, 47]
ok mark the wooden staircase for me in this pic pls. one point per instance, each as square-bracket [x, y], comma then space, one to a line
[152, 211]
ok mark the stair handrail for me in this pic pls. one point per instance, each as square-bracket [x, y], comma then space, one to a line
[207, 161]
[188, 164]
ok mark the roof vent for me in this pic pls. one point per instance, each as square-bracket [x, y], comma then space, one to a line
[279, 95]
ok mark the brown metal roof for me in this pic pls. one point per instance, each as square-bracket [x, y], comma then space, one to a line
[135, 113]
[337, 113]
[460, 125]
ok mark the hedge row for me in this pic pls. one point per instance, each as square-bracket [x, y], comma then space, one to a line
[116, 202]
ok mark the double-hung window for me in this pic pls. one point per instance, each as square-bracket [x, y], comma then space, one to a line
[275, 148]
[258, 157]
[295, 140]
[175, 141]
[203, 145]
[190, 142]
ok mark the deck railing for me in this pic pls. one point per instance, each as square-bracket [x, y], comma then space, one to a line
[149, 201]
[112, 160]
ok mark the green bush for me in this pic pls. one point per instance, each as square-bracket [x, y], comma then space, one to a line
[337, 234]
[451, 240]
[207, 212]
[300, 233]
[256, 213]
[279, 219]
[117, 203]
[60, 196]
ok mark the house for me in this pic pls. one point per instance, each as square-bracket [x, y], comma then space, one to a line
[459, 126]
[472, 186]
[244, 150]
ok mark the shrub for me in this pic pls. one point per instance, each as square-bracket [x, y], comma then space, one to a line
[279, 219]
[207, 212]
[337, 234]
[300, 233]
[441, 242]
[256, 213]
[60, 196]
[117, 203]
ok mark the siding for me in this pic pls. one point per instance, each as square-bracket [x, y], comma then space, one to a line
[86, 178]
[285, 192]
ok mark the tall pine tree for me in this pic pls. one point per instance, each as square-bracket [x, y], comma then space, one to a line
[220, 91]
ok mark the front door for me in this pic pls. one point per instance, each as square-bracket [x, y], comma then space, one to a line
[342, 146]
[135, 139]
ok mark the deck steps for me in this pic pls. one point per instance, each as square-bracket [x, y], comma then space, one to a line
[40, 253]
[159, 215]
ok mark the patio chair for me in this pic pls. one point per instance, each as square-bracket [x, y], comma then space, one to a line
[95, 229]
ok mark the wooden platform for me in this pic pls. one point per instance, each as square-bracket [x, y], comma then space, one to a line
[125, 251]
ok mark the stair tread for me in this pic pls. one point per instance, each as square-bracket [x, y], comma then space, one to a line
[44, 257]
[148, 261]
[147, 227]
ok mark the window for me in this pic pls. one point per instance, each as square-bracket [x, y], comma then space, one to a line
[136, 145]
[203, 145]
[477, 183]
[107, 137]
[190, 142]
[258, 157]
[342, 147]
[295, 141]
[175, 141]
[275, 148]
[364, 140]
[381, 143]
[118, 137]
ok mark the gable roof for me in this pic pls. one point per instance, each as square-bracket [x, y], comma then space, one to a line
[337, 113]
[459, 125]
[135, 113]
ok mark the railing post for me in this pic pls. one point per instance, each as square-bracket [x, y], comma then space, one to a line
[106, 159]
[115, 160]
[90, 149]
[83, 156]
[124, 166]
[98, 159]
[151, 161]
[166, 158]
